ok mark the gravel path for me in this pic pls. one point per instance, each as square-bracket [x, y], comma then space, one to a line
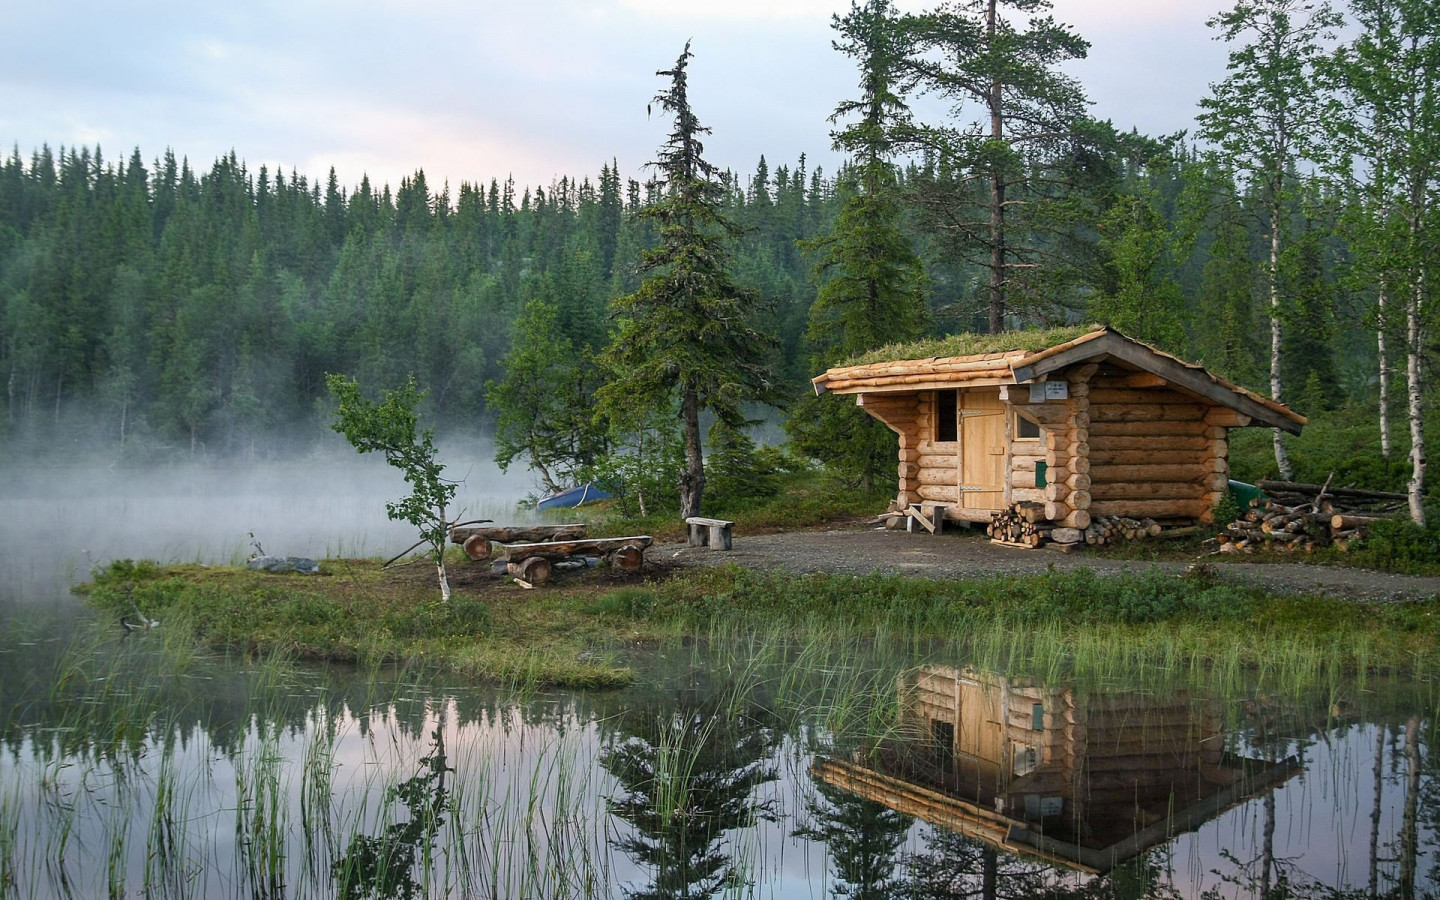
[859, 551]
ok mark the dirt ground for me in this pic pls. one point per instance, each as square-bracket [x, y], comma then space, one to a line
[861, 550]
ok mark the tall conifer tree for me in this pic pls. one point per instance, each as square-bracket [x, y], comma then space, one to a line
[871, 283]
[972, 54]
[684, 337]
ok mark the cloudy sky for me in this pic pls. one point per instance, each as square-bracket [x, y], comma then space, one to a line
[470, 90]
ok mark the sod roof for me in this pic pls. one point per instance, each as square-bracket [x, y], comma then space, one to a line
[1026, 340]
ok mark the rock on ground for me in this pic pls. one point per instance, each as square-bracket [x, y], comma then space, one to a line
[301, 564]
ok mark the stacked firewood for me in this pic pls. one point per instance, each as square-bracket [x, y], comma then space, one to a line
[1113, 529]
[1299, 517]
[1024, 525]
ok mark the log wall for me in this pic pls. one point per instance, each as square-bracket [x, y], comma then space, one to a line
[1117, 446]
[1154, 452]
[1109, 756]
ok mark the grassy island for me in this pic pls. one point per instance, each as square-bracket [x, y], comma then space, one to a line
[580, 630]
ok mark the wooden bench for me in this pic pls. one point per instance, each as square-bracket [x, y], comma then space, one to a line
[714, 533]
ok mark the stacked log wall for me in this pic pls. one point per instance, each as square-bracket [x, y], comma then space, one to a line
[1154, 452]
[908, 415]
[938, 477]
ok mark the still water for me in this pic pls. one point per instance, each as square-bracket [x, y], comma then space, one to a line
[132, 765]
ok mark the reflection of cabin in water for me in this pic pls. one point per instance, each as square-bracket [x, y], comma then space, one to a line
[1098, 424]
[1085, 781]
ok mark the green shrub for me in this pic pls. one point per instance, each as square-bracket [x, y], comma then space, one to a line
[1400, 546]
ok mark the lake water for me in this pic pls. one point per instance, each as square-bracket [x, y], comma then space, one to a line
[133, 765]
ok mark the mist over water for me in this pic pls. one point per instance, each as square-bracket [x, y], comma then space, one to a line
[57, 522]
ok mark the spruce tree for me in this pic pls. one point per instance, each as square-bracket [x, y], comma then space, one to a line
[685, 336]
[871, 283]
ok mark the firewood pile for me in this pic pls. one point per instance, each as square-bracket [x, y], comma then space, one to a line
[1113, 529]
[1024, 525]
[1298, 518]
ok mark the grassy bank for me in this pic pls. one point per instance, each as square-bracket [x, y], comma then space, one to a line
[578, 630]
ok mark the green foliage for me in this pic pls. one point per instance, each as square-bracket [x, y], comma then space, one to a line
[737, 470]
[1145, 303]
[1344, 441]
[543, 405]
[1400, 546]
[990, 200]
[871, 284]
[391, 428]
[686, 335]
[642, 463]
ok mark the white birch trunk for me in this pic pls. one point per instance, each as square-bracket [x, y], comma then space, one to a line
[1413, 335]
[1282, 462]
[444, 580]
[1384, 354]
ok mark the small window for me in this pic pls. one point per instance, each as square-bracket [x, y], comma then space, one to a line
[946, 409]
[1026, 430]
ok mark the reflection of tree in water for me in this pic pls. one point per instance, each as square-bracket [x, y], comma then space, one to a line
[384, 866]
[863, 838]
[955, 866]
[688, 773]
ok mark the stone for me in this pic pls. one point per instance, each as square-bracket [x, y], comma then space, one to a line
[281, 564]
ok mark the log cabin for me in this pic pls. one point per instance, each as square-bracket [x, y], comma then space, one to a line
[1085, 420]
[1083, 780]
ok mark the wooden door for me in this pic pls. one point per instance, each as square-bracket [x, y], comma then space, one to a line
[982, 449]
[981, 725]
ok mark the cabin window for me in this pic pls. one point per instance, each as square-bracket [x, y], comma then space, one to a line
[1026, 430]
[946, 415]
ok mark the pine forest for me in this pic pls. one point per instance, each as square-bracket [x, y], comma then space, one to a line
[154, 307]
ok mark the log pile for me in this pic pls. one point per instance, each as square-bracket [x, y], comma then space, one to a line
[1298, 518]
[530, 554]
[1113, 529]
[1023, 525]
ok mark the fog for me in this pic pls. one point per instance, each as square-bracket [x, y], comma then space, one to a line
[57, 522]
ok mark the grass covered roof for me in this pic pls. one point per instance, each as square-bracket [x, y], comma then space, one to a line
[1027, 340]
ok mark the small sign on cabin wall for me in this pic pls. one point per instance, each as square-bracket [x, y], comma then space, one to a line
[1040, 391]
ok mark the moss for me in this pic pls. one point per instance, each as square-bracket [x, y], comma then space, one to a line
[968, 344]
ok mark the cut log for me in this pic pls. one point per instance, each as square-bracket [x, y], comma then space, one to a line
[1160, 509]
[533, 569]
[477, 546]
[1117, 473]
[1110, 413]
[1147, 442]
[1168, 430]
[510, 534]
[1295, 487]
[562, 549]
[1064, 535]
[628, 558]
[1147, 490]
[1340, 522]
[1148, 457]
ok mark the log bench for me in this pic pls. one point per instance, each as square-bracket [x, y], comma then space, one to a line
[714, 533]
[532, 562]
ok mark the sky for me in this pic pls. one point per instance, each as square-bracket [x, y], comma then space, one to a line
[474, 90]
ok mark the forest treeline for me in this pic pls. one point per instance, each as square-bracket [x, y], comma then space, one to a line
[151, 308]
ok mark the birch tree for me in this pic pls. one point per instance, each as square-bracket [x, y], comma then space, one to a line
[1388, 136]
[1263, 119]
